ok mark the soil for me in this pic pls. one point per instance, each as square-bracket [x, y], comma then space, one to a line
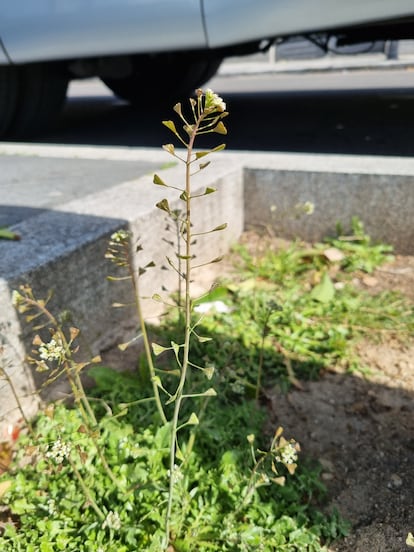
[359, 427]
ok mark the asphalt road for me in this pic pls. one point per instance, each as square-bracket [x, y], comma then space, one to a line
[358, 112]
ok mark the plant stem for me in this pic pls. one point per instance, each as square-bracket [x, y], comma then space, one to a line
[187, 315]
[85, 490]
[147, 348]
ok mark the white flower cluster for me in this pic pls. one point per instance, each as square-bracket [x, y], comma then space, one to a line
[213, 101]
[289, 454]
[51, 506]
[16, 298]
[59, 451]
[52, 351]
[128, 448]
[112, 521]
[177, 474]
[120, 236]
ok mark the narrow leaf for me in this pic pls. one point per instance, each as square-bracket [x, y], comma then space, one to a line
[6, 234]
[179, 455]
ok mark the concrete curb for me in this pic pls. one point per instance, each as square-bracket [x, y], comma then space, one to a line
[62, 248]
[327, 64]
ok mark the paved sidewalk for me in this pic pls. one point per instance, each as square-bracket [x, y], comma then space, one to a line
[357, 62]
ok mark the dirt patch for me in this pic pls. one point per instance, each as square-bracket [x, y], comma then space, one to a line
[361, 429]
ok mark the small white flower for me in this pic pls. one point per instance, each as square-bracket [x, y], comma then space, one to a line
[51, 506]
[52, 351]
[16, 298]
[59, 451]
[308, 208]
[177, 474]
[213, 101]
[288, 454]
[112, 521]
[120, 236]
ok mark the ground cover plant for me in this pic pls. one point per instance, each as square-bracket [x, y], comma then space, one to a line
[178, 455]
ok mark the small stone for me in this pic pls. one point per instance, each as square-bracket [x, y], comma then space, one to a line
[327, 465]
[333, 254]
[370, 281]
[396, 480]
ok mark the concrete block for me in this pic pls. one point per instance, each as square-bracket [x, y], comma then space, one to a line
[383, 202]
[63, 251]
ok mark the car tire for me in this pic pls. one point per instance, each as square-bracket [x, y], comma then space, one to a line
[31, 97]
[8, 96]
[166, 77]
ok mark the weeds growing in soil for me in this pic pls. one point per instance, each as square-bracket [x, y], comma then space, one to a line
[174, 456]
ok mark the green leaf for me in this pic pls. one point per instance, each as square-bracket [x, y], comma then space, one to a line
[324, 292]
[410, 540]
[215, 294]
[6, 234]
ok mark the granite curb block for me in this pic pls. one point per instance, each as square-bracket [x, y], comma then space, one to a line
[328, 64]
[63, 248]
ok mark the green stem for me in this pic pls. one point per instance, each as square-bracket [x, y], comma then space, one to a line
[187, 314]
[145, 339]
[3, 371]
[85, 490]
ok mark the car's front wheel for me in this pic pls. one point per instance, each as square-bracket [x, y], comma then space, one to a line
[163, 77]
[31, 96]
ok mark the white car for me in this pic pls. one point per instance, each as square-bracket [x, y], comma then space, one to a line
[150, 49]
